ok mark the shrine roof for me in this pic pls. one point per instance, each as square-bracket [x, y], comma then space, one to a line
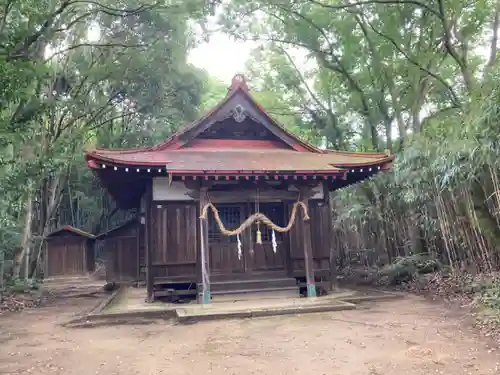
[243, 160]
[70, 229]
[186, 151]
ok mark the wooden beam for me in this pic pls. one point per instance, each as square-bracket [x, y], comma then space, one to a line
[148, 201]
[250, 195]
[307, 244]
[204, 295]
[193, 184]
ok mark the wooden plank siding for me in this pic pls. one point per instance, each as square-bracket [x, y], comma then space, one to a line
[320, 227]
[68, 256]
[175, 243]
[223, 250]
[263, 257]
[141, 248]
[321, 235]
[121, 264]
[174, 239]
[124, 249]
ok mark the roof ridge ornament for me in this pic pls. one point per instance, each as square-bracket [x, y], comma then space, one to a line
[239, 82]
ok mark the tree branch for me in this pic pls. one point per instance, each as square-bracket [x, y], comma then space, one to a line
[338, 67]
[97, 45]
[302, 80]
[435, 114]
[6, 9]
[112, 11]
[21, 49]
[452, 93]
[494, 39]
[355, 4]
[468, 80]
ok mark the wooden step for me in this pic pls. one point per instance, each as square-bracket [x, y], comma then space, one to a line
[249, 276]
[253, 284]
[292, 290]
[174, 292]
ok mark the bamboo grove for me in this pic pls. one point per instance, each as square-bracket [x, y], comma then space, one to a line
[417, 78]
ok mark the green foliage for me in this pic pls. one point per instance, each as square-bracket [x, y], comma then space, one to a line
[392, 76]
[213, 91]
[491, 297]
[22, 286]
[406, 269]
[363, 77]
[63, 90]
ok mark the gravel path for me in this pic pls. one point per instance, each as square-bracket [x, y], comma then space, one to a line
[408, 336]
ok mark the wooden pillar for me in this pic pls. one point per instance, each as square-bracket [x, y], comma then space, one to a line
[138, 243]
[85, 264]
[204, 295]
[248, 245]
[330, 236]
[287, 239]
[148, 201]
[307, 244]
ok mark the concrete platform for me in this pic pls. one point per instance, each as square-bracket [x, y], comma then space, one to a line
[259, 308]
[128, 306]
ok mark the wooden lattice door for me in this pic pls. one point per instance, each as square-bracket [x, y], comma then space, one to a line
[223, 250]
[263, 257]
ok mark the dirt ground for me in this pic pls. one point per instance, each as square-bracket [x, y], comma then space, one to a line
[408, 336]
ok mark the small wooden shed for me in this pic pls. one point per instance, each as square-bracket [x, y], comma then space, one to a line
[124, 252]
[68, 251]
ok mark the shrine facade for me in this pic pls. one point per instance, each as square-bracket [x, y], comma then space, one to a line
[232, 203]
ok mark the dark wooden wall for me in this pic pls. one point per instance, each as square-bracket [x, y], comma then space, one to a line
[175, 243]
[123, 260]
[174, 240]
[321, 233]
[68, 255]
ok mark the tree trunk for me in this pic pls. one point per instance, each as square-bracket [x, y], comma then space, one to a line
[25, 237]
[52, 193]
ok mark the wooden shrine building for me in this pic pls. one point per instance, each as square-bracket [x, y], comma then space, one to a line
[68, 252]
[232, 202]
[124, 255]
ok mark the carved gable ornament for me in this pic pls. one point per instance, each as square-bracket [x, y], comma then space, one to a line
[239, 114]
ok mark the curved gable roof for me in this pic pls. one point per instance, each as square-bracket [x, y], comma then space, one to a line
[296, 156]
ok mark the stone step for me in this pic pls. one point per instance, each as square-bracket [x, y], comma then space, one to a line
[188, 316]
